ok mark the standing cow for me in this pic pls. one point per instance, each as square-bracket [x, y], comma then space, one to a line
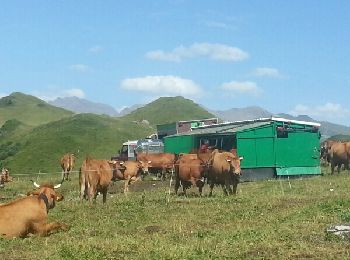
[95, 176]
[159, 161]
[129, 171]
[29, 215]
[225, 170]
[338, 156]
[67, 164]
[190, 170]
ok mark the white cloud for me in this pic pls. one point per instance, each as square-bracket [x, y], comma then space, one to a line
[162, 85]
[96, 49]
[329, 111]
[213, 51]
[55, 92]
[267, 72]
[242, 88]
[3, 95]
[79, 67]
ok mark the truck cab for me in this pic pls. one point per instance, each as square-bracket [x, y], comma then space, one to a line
[127, 152]
[131, 148]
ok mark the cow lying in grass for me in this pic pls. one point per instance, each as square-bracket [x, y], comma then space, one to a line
[27, 215]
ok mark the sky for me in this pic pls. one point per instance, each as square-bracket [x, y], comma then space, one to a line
[284, 56]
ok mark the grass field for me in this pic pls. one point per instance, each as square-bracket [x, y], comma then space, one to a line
[276, 219]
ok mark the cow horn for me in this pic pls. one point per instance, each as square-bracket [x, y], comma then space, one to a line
[241, 158]
[35, 184]
[57, 186]
[121, 163]
[149, 161]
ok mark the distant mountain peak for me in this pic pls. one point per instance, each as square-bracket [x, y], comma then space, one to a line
[79, 105]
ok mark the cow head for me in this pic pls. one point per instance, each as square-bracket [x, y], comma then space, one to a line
[144, 165]
[47, 192]
[118, 169]
[235, 164]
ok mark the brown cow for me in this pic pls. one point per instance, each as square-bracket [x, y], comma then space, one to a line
[225, 169]
[29, 214]
[129, 171]
[95, 176]
[339, 156]
[325, 149]
[67, 164]
[189, 170]
[161, 161]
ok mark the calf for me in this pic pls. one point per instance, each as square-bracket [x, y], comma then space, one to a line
[189, 170]
[129, 171]
[29, 214]
[67, 164]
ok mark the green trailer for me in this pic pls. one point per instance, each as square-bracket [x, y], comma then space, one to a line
[270, 147]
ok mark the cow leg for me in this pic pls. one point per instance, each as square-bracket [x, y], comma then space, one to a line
[338, 168]
[332, 167]
[63, 175]
[234, 186]
[92, 194]
[126, 186]
[211, 187]
[184, 186]
[82, 191]
[223, 186]
[104, 194]
[43, 229]
[177, 185]
[163, 174]
[200, 185]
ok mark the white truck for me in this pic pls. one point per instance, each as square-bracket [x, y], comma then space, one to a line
[131, 148]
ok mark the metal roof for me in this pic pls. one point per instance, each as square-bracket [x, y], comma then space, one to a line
[233, 127]
[222, 129]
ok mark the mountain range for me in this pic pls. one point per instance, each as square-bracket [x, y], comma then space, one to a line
[78, 105]
[34, 134]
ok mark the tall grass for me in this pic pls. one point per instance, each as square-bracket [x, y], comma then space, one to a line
[276, 219]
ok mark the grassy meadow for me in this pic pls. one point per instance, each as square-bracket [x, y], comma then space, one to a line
[275, 219]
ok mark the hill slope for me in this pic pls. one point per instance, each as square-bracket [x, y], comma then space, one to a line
[29, 110]
[83, 134]
[167, 110]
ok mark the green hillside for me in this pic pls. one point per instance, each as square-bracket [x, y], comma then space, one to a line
[83, 134]
[167, 110]
[29, 110]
